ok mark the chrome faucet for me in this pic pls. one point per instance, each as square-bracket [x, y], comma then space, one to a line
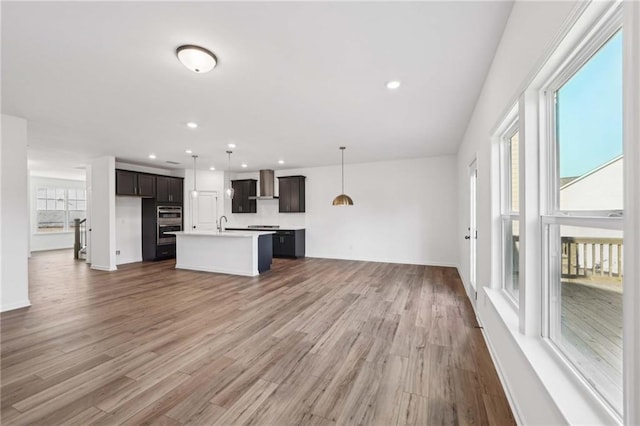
[221, 225]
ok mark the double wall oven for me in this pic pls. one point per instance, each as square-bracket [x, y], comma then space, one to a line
[168, 219]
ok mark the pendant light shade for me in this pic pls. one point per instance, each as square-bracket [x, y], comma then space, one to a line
[229, 191]
[194, 193]
[196, 58]
[342, 199]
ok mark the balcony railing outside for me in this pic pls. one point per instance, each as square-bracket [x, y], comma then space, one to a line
[591, 257]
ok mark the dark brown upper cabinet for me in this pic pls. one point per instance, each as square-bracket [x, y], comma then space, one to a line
[292, 194]
[169, 189]
[134, 183]
[242, 190]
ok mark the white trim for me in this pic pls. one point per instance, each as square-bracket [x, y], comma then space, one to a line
[400, 262]
[631, 135]
[577, 403]
[513, 403]
[103, 268]
[15, 305]
[614, 223]
[467, 286]
[532, 79]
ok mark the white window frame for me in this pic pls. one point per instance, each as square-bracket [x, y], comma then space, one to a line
[551, 215]
[67, 228]
[507, 215]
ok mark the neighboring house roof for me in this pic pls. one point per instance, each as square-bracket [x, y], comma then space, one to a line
[571, 181]
[566, 180]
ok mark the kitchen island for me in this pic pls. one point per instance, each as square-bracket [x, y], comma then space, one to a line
[229, 252]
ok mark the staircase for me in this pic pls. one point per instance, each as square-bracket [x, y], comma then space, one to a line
[80, 239]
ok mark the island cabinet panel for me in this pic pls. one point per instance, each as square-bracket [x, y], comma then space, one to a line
[134, 183]
[242, 190]
[169, 189]
[291, 194]
[289, 243]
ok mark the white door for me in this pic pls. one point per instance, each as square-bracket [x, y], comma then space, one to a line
[204, 210]
[472, 236]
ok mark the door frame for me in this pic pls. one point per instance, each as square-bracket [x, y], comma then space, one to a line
[472, 229]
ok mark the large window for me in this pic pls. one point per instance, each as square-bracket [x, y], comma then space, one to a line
[583, 225]
[56, 208]
[510, 200]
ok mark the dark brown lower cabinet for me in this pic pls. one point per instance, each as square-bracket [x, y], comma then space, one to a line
[286, 242]
[289, 243]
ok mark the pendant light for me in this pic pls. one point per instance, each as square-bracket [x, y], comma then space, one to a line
[342, 199]
[229, 191]
[194, 193]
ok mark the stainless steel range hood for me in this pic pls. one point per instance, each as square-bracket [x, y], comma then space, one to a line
[266, 186]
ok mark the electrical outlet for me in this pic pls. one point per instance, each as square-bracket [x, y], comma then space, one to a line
[117, 252]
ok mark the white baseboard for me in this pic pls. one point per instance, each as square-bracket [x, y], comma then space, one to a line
[398, 261]
[503, 382]
[104, 268]
[15, 305]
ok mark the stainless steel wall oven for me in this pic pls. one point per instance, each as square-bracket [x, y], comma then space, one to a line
[169, 219]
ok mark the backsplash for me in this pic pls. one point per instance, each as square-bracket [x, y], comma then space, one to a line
[267, 214]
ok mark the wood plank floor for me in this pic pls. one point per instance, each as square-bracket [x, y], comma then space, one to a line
[313, 342]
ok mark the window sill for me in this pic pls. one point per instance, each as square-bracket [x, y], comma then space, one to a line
[572, 397]
[53, 233]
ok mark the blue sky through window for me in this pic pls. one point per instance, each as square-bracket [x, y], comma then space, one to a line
[590, 112]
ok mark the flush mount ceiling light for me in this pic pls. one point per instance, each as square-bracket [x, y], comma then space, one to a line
[152, 156]
[342, 199]
[188, 151]
[244, 166]
[280, 161]
[231, 145]
[393, 84]
[212, 168]
[196, 58]
[192, 125]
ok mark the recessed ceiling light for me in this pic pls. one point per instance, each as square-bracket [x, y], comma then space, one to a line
[280, 161]
[188, 151]
[231, 145]
[192, 125]
[393, 84]
[212, 168]
[244, 166]
[196, 58]
[152, 156]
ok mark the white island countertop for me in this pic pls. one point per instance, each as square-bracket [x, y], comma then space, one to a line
[255, 228]
[229, 252]
[232, 234]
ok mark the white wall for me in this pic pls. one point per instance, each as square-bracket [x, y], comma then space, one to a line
[128, 230]
[532, 30]
[53, 240]
[404, 211]
[102, 218]
[14, 215]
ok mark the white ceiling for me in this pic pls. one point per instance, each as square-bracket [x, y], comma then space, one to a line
[294, 80]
